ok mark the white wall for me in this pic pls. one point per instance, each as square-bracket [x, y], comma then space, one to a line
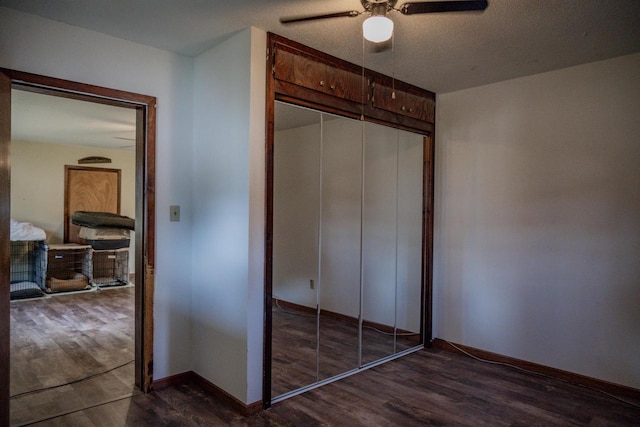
[33, 44]
[257, 186]
[228, 214]
[37, 184]
[538, 216]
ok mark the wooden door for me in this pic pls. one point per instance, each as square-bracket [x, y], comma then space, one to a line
[89, 189]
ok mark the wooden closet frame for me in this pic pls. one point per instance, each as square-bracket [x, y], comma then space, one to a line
[322, 82]
[145, 107]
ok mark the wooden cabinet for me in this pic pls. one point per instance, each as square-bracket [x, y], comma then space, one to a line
[304, 70]
[402, 102]
[305, 76]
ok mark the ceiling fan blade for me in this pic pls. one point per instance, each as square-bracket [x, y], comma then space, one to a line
[293, 20]
[443, 6]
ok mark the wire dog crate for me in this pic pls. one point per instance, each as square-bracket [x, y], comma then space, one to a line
[68, 267]
[28, 269]
[110, 267]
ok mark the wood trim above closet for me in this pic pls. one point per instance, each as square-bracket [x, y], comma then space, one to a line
[305, 76]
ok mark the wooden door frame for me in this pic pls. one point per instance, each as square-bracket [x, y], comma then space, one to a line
[5, 257]
[145, 107]
[68, 168]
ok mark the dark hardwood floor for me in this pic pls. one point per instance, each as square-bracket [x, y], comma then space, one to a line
[68, 337]
[429, 387]
[295, 341]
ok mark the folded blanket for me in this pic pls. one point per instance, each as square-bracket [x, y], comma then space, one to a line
[102, 220]
[26, 231]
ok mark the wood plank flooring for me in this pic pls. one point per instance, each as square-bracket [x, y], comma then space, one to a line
[67, 337]
[295, 362]
[430, 387]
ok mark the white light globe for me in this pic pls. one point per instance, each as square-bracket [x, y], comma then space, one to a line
[377, 28]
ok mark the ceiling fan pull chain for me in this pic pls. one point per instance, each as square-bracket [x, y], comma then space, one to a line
[363, 89]
[393, 66]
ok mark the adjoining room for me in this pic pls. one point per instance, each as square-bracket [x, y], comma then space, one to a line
[72, 257]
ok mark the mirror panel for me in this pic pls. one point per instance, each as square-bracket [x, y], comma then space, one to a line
[409, 241]
[379, 242]
[339, 290]
[347, 245]
[296, 201]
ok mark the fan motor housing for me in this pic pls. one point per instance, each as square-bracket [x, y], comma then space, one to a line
[375, 5]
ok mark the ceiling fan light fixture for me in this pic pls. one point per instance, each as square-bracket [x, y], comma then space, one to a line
[377, 28]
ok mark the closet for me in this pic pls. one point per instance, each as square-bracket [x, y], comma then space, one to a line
[348, 220]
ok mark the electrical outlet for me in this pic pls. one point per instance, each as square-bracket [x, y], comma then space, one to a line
[312, 284]
[174, 213]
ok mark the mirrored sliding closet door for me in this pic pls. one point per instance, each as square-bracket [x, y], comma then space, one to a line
[347, 246]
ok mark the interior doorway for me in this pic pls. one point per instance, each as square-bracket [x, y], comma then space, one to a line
[144, 110]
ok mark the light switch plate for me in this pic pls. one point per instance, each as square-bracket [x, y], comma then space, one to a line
[174, 213]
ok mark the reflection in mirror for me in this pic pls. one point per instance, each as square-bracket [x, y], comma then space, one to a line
[392, 242]
[296, 197]
[339, 290]
[379, 242]
[347, 246]
[409, 240]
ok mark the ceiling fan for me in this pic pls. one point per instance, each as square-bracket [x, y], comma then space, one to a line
[379, 28]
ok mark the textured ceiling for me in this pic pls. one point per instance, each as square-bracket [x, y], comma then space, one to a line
[439, 52]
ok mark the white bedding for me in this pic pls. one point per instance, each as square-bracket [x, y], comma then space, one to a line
[26, 231]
